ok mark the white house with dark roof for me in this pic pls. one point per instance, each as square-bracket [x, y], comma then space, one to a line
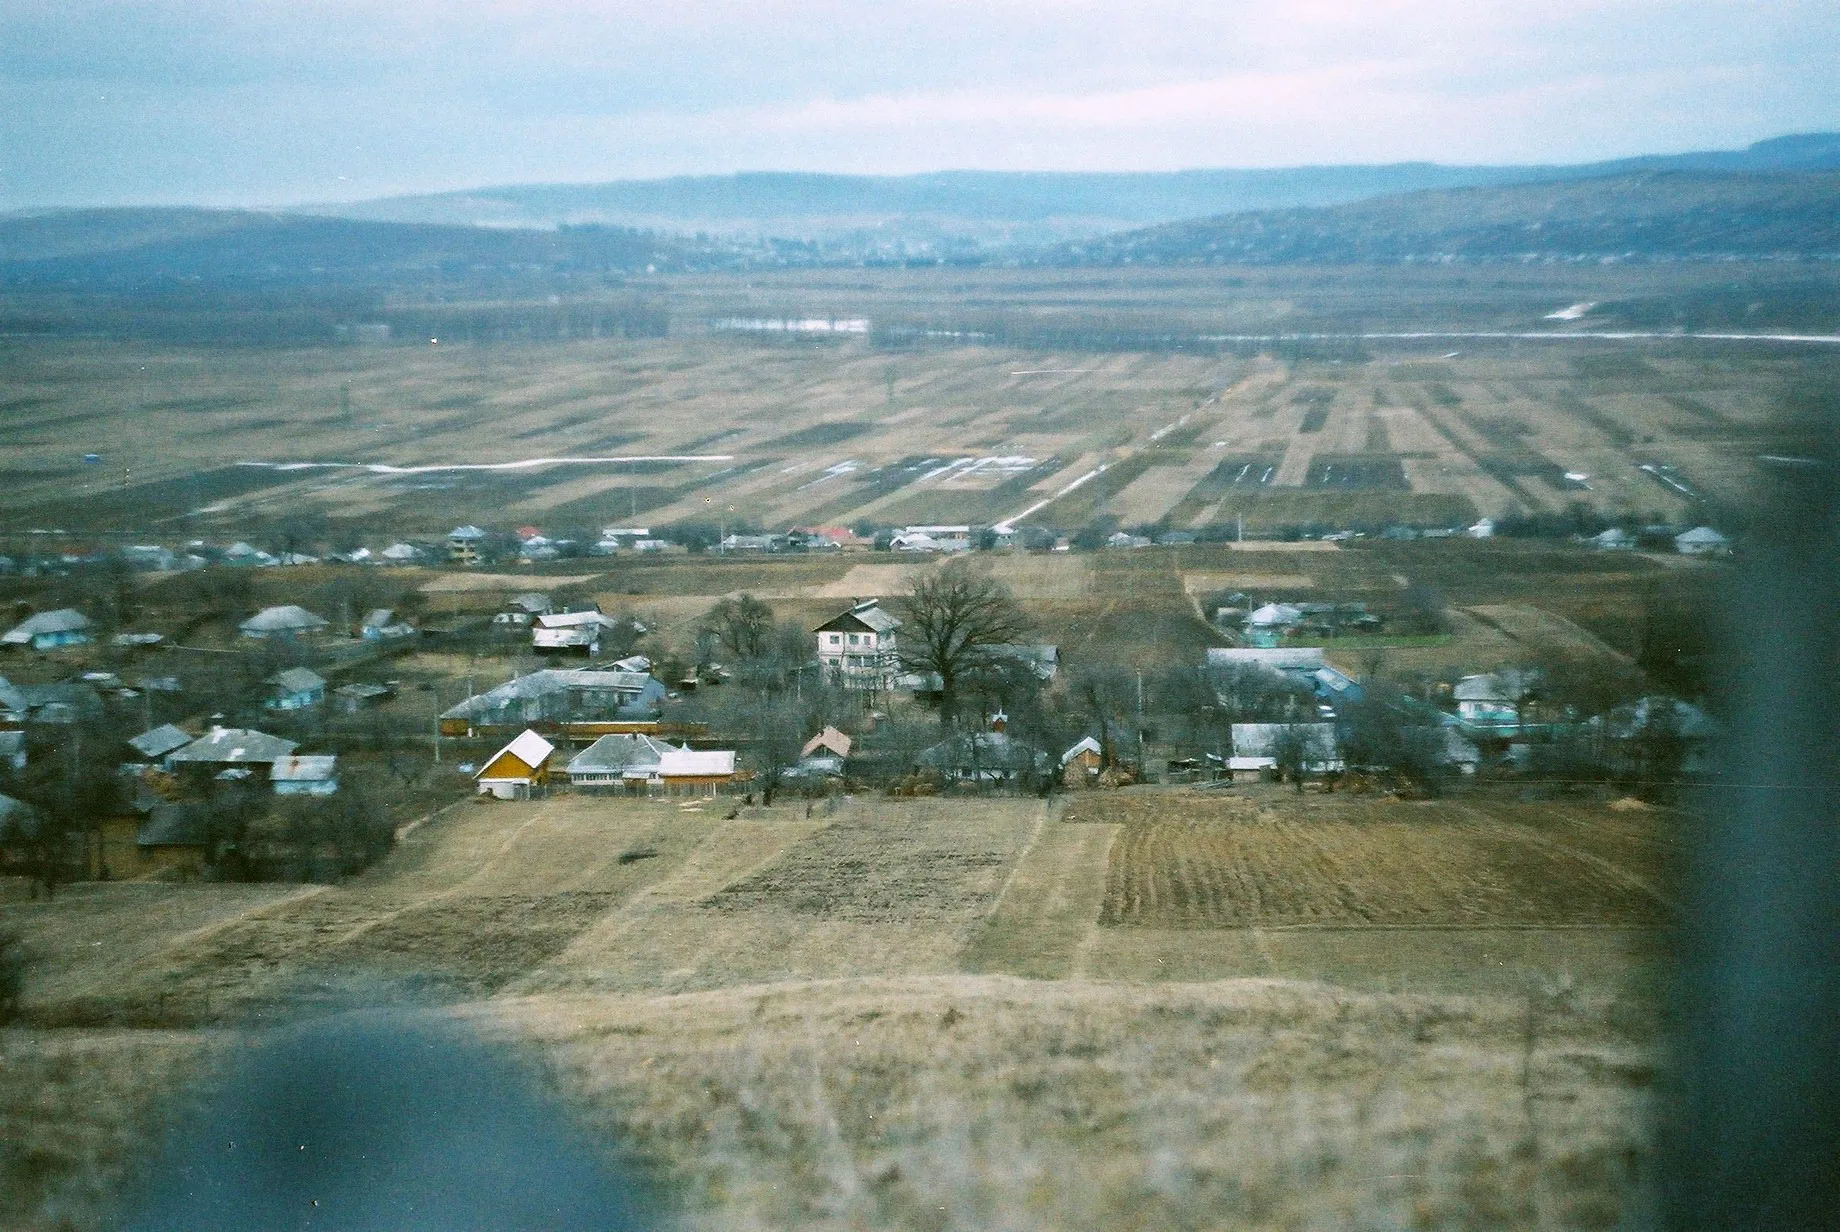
[858, 648]
[558, 696]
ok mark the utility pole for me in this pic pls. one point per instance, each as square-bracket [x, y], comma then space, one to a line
[435, 693]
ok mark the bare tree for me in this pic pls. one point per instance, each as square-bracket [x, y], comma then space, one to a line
[743, 626]
[954, 617]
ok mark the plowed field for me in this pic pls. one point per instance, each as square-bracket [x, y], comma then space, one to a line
[1200, 863]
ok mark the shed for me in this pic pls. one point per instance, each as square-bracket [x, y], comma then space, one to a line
[517, 771]
[1081, 764]
[688, 771]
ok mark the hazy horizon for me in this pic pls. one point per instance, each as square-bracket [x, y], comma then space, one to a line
[105, 102]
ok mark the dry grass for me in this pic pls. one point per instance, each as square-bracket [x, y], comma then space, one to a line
[963, 1102]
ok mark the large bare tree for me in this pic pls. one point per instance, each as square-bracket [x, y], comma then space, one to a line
[742, 625]
[954, 618]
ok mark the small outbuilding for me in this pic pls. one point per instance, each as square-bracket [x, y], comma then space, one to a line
[518, 771]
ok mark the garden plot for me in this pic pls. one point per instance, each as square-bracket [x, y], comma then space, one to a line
[1240, 863]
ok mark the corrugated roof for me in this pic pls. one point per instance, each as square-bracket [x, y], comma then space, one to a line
[868, 615]
[173, 825]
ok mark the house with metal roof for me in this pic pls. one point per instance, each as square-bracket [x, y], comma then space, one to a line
[858, 648]
[1701, 541]
[1260, 747]
[236, 748]
[382, 625]
[558, 696]
[570, 631]
[628, 762]
[986, 757]
[49, 630]
[296, 688]
[283, 622]
[463, 544]
[312, 774]
[518, 771]
[1300, 663]
[157, 743]
[1267, 625]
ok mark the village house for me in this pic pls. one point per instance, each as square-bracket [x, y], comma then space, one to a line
[285, 622]
[295, 688]
[305, 775]
[1267, 626]
[830, 741]
[230, 748]
[246, 556]
[401, 554]
[1491, 701]
[157, 745]
[49, 630]
[642, 763]
[174, 838]
[463, 544]
[1082, 764]
[1260, 747]
[518, 771]
[351, 698]
[382, 625]
[522, 609]
[1615, 539]
[62, 703]
[1701, 541]
[1298, 664]
[858, 648]
[577, 699]
[558, 632]
[986, 757]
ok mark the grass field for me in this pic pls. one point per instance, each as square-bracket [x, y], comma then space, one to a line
[1272, 1009]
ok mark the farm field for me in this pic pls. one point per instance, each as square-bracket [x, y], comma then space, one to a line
[712, 427]
[973, 988]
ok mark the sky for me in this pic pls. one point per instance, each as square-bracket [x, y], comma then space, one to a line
[272, 102]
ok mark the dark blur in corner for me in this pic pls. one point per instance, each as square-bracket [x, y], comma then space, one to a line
[1753, 1140]
[385, 1121]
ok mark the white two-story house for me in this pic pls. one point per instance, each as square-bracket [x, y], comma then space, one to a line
[857, 647]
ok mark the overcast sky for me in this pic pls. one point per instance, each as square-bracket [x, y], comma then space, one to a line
[284, 101]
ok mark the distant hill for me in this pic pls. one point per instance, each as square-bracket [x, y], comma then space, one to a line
[130, 248]
[960, 212]
[1645, 214]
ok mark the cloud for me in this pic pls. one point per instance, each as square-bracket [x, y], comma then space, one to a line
[260, 100]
